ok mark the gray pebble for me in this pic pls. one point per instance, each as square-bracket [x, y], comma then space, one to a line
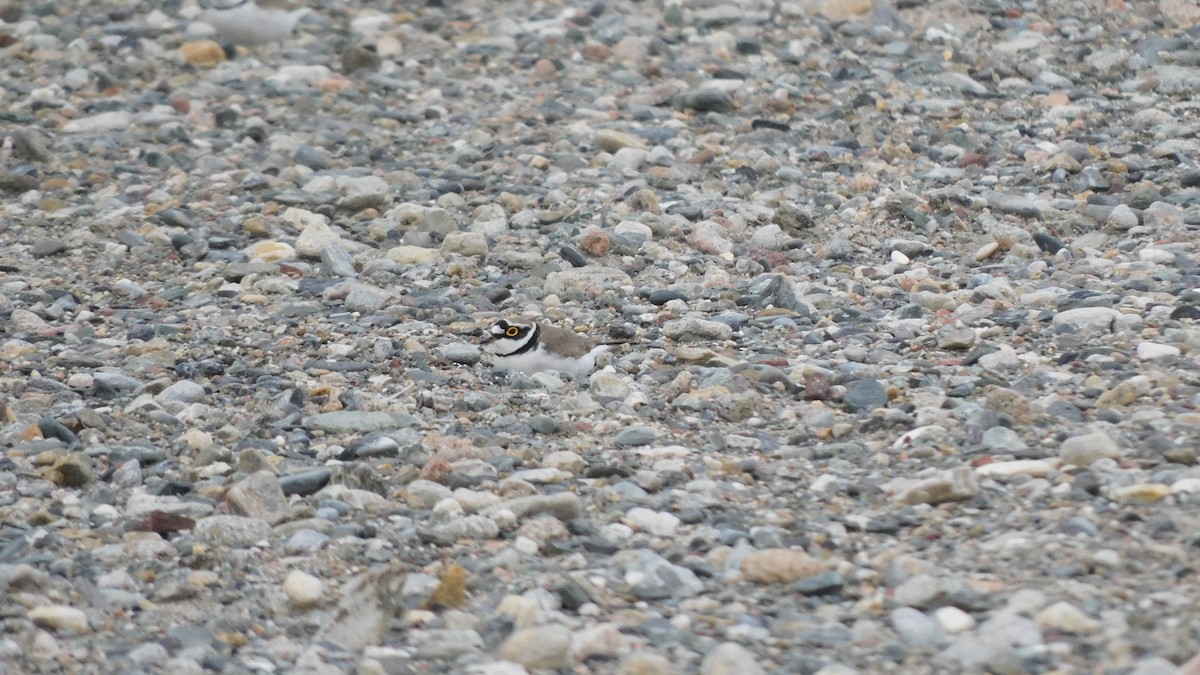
[865, 395]
[635, 435]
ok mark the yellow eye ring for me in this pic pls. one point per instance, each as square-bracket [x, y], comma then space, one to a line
[512, 331]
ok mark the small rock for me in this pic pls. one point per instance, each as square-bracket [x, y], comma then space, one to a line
[1122, 218]
[956, 339]
[1065, 617]
[271, 252]
[305, 483]
[645, 663]
[1154, 350]
[730, 658]
[315, 238]
[865, 395]
[465, 243]
[544, 424]
[1083, 451]
[303, 589]
[74, 470]
[466, 527]
[638, 434]
[953, 620]
[595, 242]
[461, 352]
[1125, 392]
[183, 391]
[1020, 467]
[601, 641]
[917, 629]
[60, 618]
[562, 505]
[541, 647]
[611, 140]
[779, 566]
[260, 496]
[607, 384]
[950, 485]
[202, 53]
[1087, 318]
[657, 523]
[649, 576]
[1145, 493]
[695, 328]
[414, 255]
[232, 531]
[351, 422]
[565, 460]
[46, 247]
[114, 120]
[707, 100]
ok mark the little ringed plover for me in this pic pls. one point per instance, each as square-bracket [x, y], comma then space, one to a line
[536, 347]
[252, 22]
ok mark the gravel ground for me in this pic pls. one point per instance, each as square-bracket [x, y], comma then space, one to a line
[909, 293]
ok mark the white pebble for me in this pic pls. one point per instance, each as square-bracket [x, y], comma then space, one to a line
[1156, 350]
[953, 620]
[80, 381]
[59, 617]
[303, 589]
[655, 522]
[1020, 467]
[1185, 485]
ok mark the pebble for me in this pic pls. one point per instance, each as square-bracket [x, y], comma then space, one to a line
[654, 522]
[637, 434]
[865, 395]
[260, 496]
[232, 531]
[465, 243]
[1065, 617]
[695, 328]
[645, 663]
[1085, 450]
[541, 647]
[953, 620]
[1122, 218]
[1087, 318]
[916, 629]
[184, 391]
[59, 618]
[1020, 467]
[462, 353]
[651, 577]
[772, 566]
[730, 658]
[414, 255]
[351, 421]
[950, 485]
[607, 384]
[303, 589]
[1148, 351]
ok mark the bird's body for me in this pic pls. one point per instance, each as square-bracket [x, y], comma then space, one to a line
[536, 347]
[253, 22]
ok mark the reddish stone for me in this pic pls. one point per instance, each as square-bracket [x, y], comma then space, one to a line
[164, 523]
[973, 159]
[596, 243]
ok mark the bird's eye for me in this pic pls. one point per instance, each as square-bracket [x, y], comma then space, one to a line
[512, 331]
